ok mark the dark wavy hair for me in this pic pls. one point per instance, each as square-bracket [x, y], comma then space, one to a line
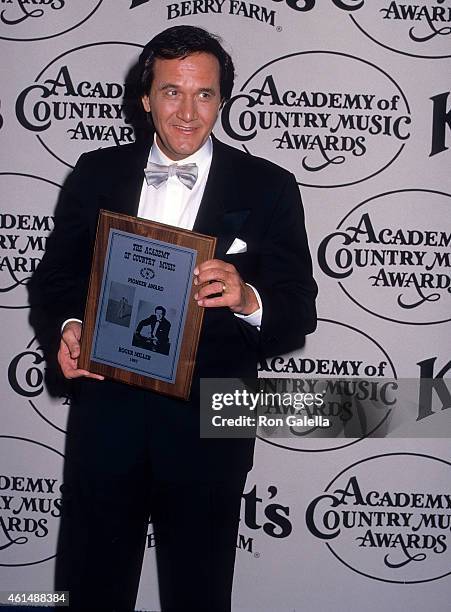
[179, 42]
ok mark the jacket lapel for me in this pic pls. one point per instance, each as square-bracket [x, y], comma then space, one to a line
[124, 190]
[221, 212]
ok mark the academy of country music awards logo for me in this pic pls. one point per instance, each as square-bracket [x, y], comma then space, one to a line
[388, 517]
[391, 256]
[26, 20]
[345, 364]
[330, 118]
[27, 378]
[79, 101]
[25, 222]
[331, 134]
[30, 501]
[418, 29]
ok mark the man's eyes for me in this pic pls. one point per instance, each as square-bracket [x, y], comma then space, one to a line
[203, 95]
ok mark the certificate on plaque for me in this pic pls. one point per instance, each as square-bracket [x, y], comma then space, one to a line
[141, 322]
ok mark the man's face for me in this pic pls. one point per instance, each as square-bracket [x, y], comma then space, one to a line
[159, 314]
[184, 100]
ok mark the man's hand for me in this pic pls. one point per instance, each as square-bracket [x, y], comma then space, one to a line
[69, 352]
[215, 276]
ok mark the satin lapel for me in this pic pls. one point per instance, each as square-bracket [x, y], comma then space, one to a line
[221, 212]
[123, 193]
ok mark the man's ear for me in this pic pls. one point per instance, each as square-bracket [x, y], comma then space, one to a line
[146, 103]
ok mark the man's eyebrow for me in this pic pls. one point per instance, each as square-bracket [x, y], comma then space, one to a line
[167, 86]
[164, 86]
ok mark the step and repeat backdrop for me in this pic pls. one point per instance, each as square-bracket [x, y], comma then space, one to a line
[352, 96]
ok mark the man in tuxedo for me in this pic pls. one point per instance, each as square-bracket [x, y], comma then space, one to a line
[130, 451]
[152, 333]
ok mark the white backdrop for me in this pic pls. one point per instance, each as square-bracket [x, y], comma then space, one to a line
[353, 96]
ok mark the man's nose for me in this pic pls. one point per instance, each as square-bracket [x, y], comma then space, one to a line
[187, 109]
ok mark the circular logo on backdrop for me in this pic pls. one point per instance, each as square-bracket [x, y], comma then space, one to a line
[418, 29]
[25, 222]
[344, 364]
[387, 517]
[26, 377]
[390, 255]
[30, 501]
[79, 101]
[40, 19]
[330, 118]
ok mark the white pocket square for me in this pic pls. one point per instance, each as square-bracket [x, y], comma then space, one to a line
[237, 246]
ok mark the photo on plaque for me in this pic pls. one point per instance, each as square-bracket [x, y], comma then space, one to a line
[144, 298]
[153, 327]
[120, 304]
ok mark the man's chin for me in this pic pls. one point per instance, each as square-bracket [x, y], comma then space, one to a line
[186, 150]
[180, 146]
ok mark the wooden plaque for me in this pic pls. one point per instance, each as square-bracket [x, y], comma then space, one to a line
[142, 324]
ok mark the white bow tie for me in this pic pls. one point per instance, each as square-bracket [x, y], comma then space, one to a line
[157, 174]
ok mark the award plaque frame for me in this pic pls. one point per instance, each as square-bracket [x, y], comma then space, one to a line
[142, 324]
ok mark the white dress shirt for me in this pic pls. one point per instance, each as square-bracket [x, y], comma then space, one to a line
[172, 202]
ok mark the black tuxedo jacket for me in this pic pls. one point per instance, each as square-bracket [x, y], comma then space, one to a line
[162, 334]
[245, 197]
[160, 342]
